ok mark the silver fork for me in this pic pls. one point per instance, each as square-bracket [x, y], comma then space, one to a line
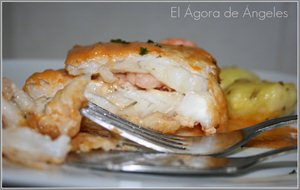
[219, 144]
[179, 164]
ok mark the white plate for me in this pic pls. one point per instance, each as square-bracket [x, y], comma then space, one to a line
[57, 176]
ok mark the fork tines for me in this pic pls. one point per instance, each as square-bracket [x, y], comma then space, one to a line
[130, 130]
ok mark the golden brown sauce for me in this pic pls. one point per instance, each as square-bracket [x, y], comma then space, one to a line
[195, 57]
[79, 54]
[275, 138]
[49, 76]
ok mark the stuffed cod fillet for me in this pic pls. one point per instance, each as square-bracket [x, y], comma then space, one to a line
[162, 87]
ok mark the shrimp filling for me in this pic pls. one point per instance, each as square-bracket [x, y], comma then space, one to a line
[150, 98]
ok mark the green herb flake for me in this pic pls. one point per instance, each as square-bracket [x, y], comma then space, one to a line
[119, 41]
[143, 51]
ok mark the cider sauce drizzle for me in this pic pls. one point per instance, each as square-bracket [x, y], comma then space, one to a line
[275, 138]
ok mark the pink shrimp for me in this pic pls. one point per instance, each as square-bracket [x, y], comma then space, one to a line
[146, 81]
[178, 41]
[141, 80]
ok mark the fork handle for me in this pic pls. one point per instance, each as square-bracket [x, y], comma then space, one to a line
[257, 129]
[276, 152]
[269, 124]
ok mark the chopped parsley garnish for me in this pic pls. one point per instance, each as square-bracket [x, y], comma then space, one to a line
[150, 42]
[119, 41]
[143, 51]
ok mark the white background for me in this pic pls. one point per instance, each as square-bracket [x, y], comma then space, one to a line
[49, 30]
